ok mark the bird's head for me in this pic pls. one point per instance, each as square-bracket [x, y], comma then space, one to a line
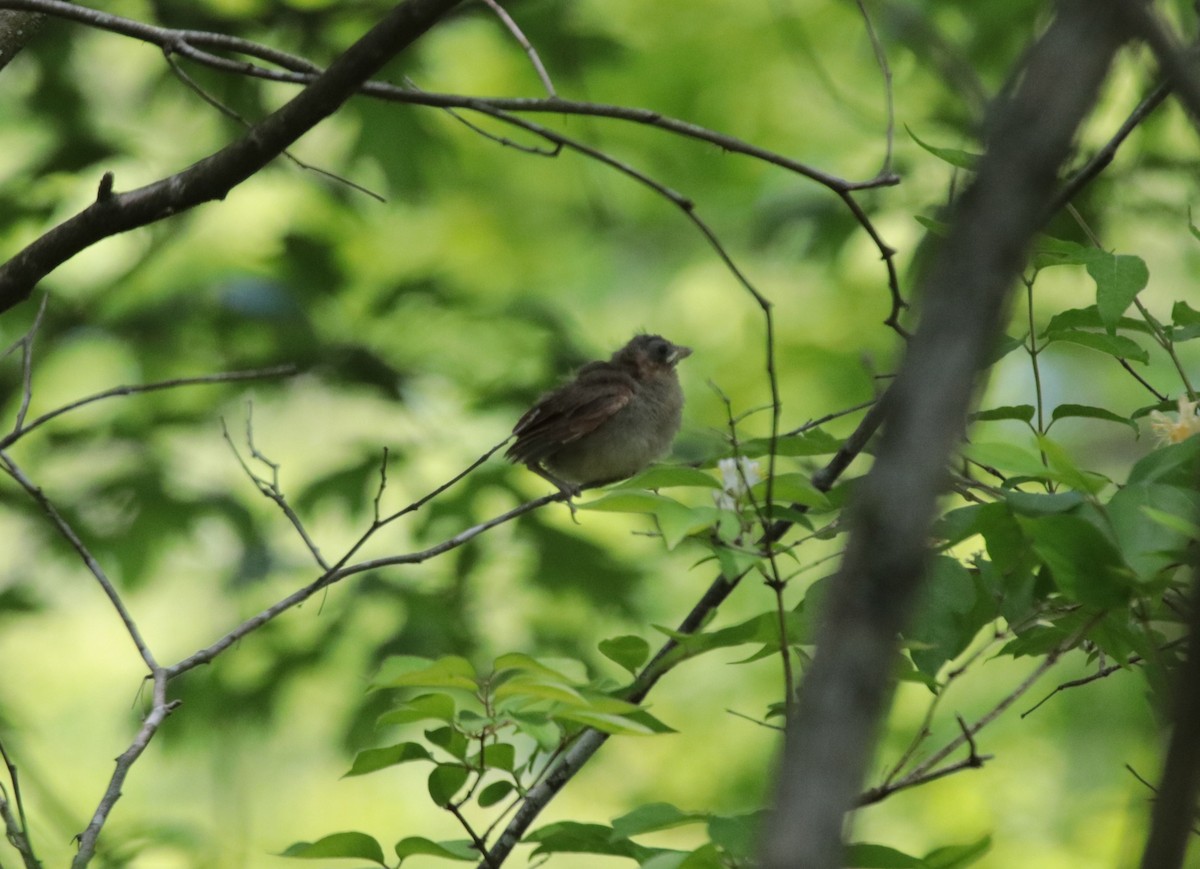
[648, 355]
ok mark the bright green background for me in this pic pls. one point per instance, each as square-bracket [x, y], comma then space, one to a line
[425, 325]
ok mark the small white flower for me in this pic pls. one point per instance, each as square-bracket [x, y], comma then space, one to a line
[737, 476]
[1172, 431]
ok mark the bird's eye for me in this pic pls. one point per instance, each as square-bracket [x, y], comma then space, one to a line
[661, 350]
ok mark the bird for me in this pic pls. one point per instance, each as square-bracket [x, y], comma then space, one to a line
[611, 421]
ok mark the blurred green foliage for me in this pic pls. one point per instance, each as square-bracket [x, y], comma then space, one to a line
[426, 324]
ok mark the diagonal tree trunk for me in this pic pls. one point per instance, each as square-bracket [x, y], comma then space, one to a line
[964, 297]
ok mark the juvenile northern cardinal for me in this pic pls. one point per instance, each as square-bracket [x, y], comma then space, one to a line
[612, 420]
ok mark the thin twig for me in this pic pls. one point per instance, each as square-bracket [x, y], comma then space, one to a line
[227, 111]
[1044, 665]
[270, 488]
[64, 528]
[159, 712]
[881, 59]
[27, 367]
[138, 389]
[338, 573]
[528, 48]
[17, 828]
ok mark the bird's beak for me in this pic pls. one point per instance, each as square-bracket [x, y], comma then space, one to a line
[678, 352]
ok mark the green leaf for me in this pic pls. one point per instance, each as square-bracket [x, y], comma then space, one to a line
[675, 520]
[445, 781]
[672, 476]
[496, 755]
[865, 856]
[707, 856]
[652, 817]
[736, 835]
[356, 845]
[1177, 464]
[536, 688]
[629, 651]
[1119, 278]
[494, 793]
[757, 629]
[374, 759]
[636, 723]
[1186, 320]
[410, 671]
[936, 227]
[449, 740]
[1183, 314]
[814, 442]
[1114, 345]
[957, 856]
[457, 849]
[1004, 345]
[572, 837]
[1049, 251]
[1066, 470]
[953, 156]
[1064, 411]
[1040, 504]
[1148, 545]
[1085, 564]
[1006, 457]
[1022, 412]
[1089, 318]
[735, 562]
[795, 488]
[564, 669]
[938, 621]
[538, 726]
[436, 706]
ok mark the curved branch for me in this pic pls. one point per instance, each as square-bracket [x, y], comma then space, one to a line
[214, 176]
[299, 71]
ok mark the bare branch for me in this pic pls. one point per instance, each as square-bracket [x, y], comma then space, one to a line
[138, 389]
[337, 574]
[194, 86]
[25, 342]
[16, 30]
[214, 176]
[16, 828]
[525, 45]
[158, 714]
[889, 101]
[270, 488]
[64, 528]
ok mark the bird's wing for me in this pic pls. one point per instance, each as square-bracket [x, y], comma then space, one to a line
[568, 414]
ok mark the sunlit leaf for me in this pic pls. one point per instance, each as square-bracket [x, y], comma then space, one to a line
[437, 706]
[1064, 411]
[352, 844]
[410, 671]
[628, 651]
[458, 849]
[652, 817]
[1022, 412]
[445, 781]
[1114, 345]
[954, 156]
[373, 759]
[1119, 278]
